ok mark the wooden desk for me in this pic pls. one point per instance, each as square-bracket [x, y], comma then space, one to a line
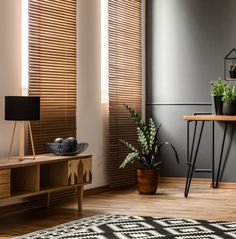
[191, 156]
[210, 117]
[46, 174]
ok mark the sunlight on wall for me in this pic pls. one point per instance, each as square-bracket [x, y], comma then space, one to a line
[104, 51]
[24, 47]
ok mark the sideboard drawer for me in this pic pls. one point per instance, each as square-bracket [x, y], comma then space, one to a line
[5, 190]
[80, 171]
[5, 176]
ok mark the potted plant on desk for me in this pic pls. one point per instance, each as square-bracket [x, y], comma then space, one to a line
[229, 100]
[147, 155]
[217, 93]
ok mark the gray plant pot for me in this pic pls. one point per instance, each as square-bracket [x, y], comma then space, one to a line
[217, 105]
[229, 108]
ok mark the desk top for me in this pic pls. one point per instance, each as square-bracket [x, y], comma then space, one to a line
[210, 117]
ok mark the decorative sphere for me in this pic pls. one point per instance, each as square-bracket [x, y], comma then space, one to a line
[72, 139]
[69, 144]
[58, 140]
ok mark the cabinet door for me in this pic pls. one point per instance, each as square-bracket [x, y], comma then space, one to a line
[80, 171]
[5, 183]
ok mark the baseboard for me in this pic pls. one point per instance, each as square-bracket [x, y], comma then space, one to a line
[202, 181]
[182, 180]
[227, 185]
[171, 180]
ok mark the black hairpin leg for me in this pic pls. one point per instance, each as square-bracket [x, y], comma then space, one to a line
[215, 183]
[190, 160]
[188, 163]
[213, 153]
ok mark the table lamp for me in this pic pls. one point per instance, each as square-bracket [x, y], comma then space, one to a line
[22, 109]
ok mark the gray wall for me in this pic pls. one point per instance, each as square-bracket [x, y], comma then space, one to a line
[187, 41]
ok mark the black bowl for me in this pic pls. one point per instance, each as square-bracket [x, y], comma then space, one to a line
[58, 150]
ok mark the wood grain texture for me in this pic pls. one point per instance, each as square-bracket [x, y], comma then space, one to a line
[25, 179]
[45, 175]
[40, 159]
[203, 202]
[5, 176]
[5, 190]
[73, 171]
[54, 174]
[210, 117]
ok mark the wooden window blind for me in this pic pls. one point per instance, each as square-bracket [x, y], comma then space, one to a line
[52, 68]
[125, 82]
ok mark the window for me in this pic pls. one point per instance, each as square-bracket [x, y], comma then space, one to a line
[52, 68]
[125, 81]
[104, 51]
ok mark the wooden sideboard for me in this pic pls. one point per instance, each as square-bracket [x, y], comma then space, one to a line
[46, 174]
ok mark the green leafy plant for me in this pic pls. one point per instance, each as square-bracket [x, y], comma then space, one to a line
[234, 93]
[147, 137]
[217, 89]
[229, 95]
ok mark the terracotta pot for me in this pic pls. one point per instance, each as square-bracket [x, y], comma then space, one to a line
[147, 180]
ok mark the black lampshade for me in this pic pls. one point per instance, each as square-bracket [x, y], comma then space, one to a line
[22, 108]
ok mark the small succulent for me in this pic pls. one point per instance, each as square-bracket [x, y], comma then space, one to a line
[232, 67]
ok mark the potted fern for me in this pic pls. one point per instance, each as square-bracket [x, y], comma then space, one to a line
[147, 154]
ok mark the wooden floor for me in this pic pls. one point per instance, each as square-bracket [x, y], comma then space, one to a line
[203, 203]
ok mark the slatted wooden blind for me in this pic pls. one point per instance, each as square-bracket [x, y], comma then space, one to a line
[125, 82]
[52, 68]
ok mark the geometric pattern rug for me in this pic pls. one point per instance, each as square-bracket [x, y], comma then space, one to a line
[137, 227]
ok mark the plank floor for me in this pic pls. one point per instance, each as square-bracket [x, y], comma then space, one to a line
[203, 203]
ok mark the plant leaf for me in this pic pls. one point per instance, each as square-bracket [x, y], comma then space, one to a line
[129, 158]
[155, 165]
[143, 141]
[216, 89]
[152, 133]
[157, 131]
[136, 118]
[172, 146]
[128, 145]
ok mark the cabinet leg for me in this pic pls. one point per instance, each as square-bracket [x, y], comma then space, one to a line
[80, 194]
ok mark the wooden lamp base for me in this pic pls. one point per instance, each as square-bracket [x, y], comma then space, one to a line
[23, 127]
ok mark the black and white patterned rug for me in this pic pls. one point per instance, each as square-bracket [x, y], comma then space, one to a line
[137, 227]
